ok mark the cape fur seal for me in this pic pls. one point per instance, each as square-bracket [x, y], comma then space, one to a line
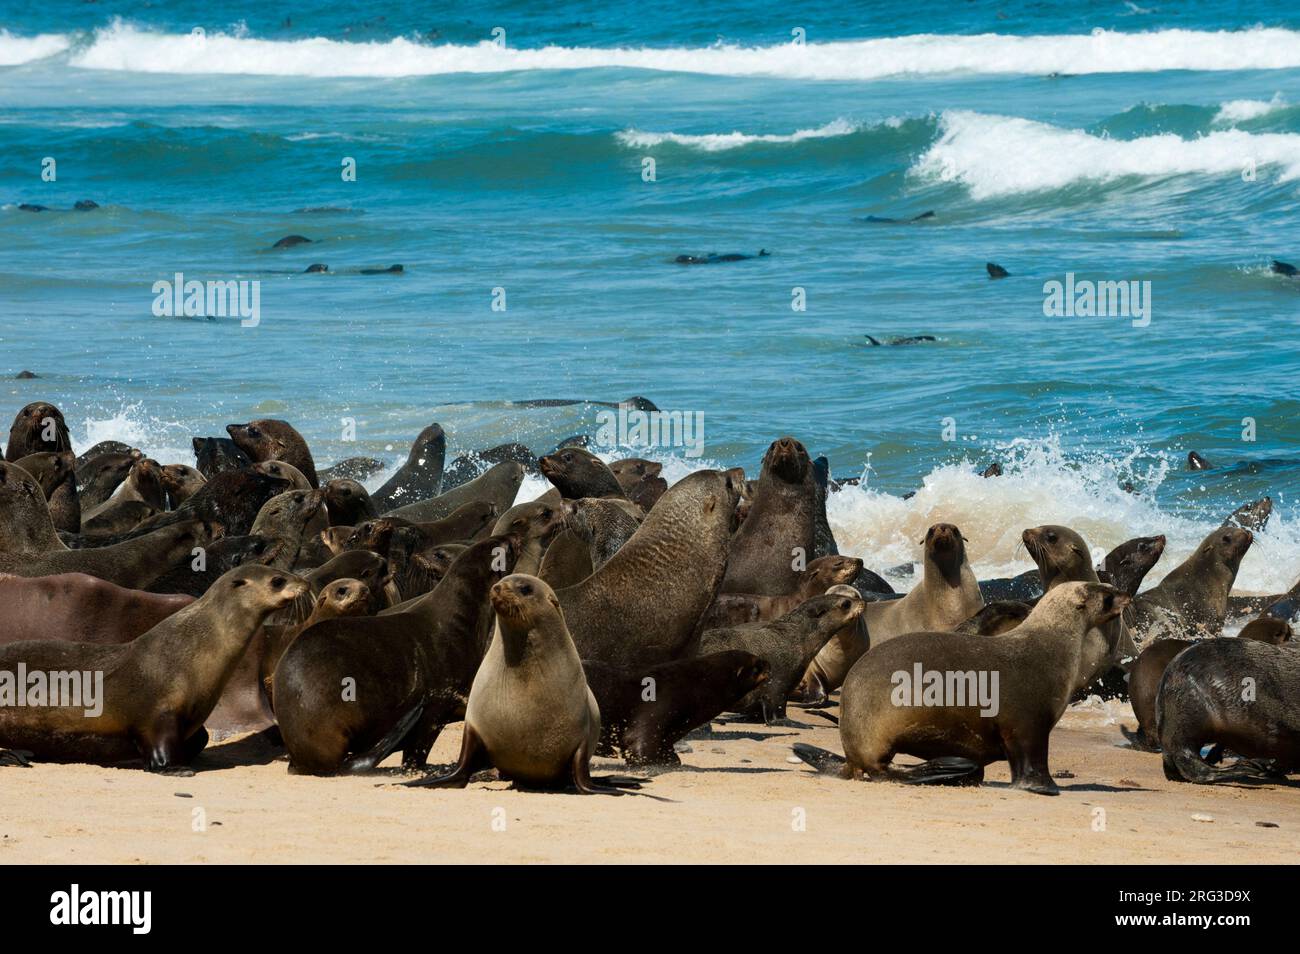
[902, 697]
[1239, 694]
[733, 609]
[1192, 599]
[218, 455]
[1127, 565]
[420, 477]
[780, 527]
[579, 473]
[468, 466]
[498, 486]
[56, 474]
[180, 481]
[348, 503]
[349, 692]
[37, 427]
[79, 608]
[640, 480]
[295, 478]
[644, 712]
[99, 476]
[339, 598]
[536, 524]
[788, 644]
[947, 595]
[271, 439]
[157, 689]
[603, 525]
[1145, 674]
[530, 714]
[642, 606]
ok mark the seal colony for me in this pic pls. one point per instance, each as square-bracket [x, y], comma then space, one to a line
[153, 605]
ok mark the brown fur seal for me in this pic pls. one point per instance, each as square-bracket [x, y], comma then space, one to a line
[143, 484]
[218, 455]
[579, 473]
[57, 476]
[1128, 564]
[1192, 599]
[530, 715]
[420, 478]
[348, 503]
[642, 606]
[37, 427]
[947, 595]
[996, 618]
[29, 545]
[116, 521]
[157, 689]
[1144, 677]
[348, 692]
[499, 487]
[468, 466]
[350, 468]
[100, 476]
[181, 481]
[220, 557]
[79, 608]
[232, 499]
[269, 439]
[640, 480]
[340, 598]
[788, 644]
[1251, 516]
[295, 478]
[604, 525]
[932, 695]
[1205, 697]
[286, 518]
[536, 524]
[780, 528]
[733, 609]
[644, 712]
[369, 568]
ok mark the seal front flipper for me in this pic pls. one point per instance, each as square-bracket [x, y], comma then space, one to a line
[582, 779]
[1139, 739]
[824, 761]
[16, 757]
[473, 758]
[385, 747]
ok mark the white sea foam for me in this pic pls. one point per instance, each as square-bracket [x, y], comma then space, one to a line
[996, 156]
[125, 47]
[719, 142]
[16, 50]
[1241, 110]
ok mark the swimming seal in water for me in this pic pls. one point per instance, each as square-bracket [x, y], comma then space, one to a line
[530, 714]
[289, 241]
[892, 704]
[1283, 268]
[1201, 700]
[714, 258]
[995, 270]
[158, 689]
[908, 340]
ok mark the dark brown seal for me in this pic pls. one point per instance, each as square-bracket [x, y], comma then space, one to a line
[733, 609]
[579, 473]
[498, 486]
[643, 713]
[56, 473]
[37, 427]
[348, 692]
[420, 478]
[779, 531]
[270, 439]
[1192, 599]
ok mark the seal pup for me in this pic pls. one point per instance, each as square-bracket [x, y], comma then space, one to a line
[536, 524]
[342, 597]
[142, 484]
[788, 644]
[498, 486]
[643, 713]
[1193, 596]
[37, 427]
[733, 609]
[57, 476]
[1146, 672]
[285, 518]
[947, 595]
[781, 526]
[79, 608]
[348, 692]
[530, 714]
[99, 476]
[348, 503]
[286, 472]
[420, 478]
[181, 482]
[157, 689]
[642, 606]
[891, 705]
[270, 439]
[640, 480]
[1201, 701]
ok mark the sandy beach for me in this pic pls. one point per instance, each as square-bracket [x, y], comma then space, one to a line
[737, 798]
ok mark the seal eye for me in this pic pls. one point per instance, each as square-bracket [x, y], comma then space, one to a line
[567, 458]
[277, 582]
[526, 589]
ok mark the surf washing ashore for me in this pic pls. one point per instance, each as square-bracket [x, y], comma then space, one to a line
[757, 403]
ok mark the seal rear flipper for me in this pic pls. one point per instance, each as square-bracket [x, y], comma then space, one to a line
[948, 770]
[825, 762]
[16, 757]
[473, 758]
[1139, 740]
[366, 761]
[824, 714]
[582, 779]
[1185, 765]
[620, 781]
